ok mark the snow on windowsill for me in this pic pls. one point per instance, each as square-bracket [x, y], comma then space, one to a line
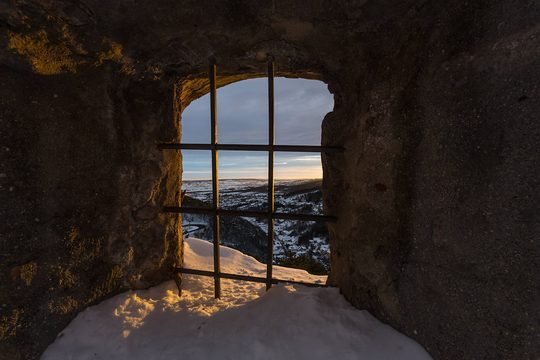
[288, 322]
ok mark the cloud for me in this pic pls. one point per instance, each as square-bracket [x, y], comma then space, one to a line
[316, 158]
[242, 110]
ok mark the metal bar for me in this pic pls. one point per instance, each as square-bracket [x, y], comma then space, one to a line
[257, 279]
[215, 179]
[178, 281]
[271, 141]
[248, 213]
[222, 275]
[252, 147]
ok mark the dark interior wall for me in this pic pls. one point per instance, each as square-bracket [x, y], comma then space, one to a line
[439, 215]
[474, 217]
[436, 105]
[80, 185]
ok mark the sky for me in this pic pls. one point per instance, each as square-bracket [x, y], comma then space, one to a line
[242, 115]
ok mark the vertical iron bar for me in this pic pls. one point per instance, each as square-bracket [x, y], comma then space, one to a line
[271, 141]
[215, 179]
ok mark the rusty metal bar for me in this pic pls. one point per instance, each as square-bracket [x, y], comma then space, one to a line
[248, 213]
[263, 280]
[251, 147]
[215, 179]
[270, 214]
[271, 142]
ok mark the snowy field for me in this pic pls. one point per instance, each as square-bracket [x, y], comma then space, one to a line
[291, 196]
[288, 322]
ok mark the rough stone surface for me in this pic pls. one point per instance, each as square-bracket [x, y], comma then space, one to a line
[80, 185]
[436, 103]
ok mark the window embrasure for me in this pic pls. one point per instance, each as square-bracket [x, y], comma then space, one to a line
[216, 211]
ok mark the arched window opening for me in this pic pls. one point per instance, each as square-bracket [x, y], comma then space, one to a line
[266, 201]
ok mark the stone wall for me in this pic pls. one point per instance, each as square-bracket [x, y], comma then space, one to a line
[81, 182]
[439, 221]
[436, 193]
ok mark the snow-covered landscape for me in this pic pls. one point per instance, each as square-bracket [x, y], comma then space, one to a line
[296, 242]
[287, 322]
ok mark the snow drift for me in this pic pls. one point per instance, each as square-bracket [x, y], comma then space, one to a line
[288, 322]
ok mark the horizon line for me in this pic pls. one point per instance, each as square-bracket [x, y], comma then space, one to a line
[252, 179]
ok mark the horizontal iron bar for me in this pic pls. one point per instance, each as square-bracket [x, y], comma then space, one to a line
[249, 213]
[248, 147]
[243, 277]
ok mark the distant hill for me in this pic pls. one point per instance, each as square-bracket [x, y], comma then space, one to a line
[301, 244]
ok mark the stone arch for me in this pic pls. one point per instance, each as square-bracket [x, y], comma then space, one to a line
[191, 88]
